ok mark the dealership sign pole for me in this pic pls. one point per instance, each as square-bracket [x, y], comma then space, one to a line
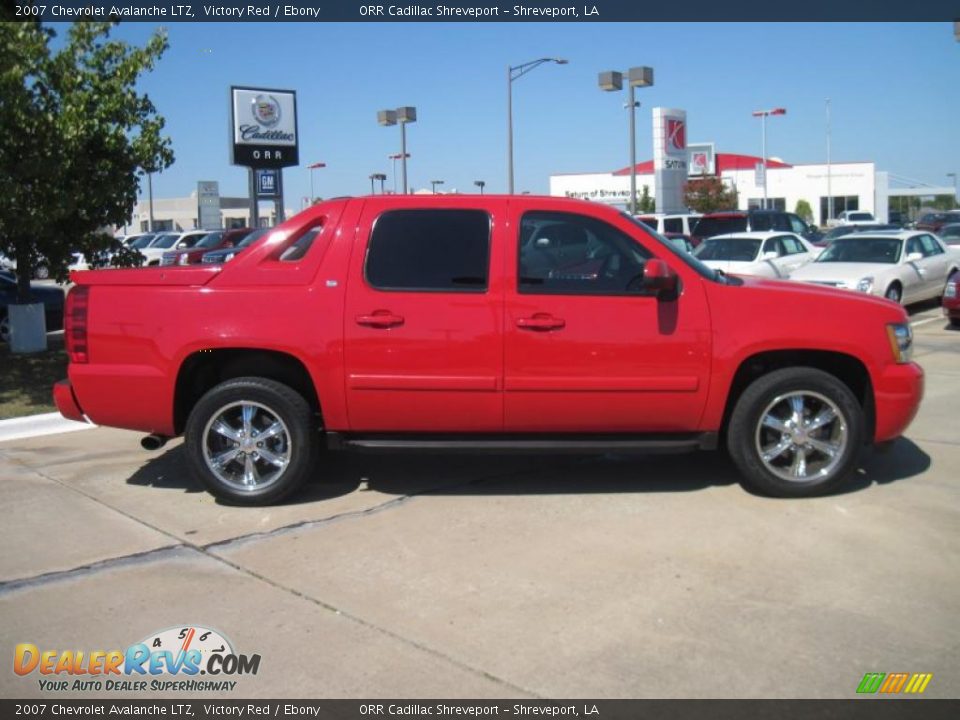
[264, 140]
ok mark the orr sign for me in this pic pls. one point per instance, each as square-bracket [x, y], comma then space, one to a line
[263, 128]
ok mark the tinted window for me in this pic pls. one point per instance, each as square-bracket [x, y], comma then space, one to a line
[300, 247]
[710, 226]
[731, 249]
[564, 253]
[673, 225]
[762, 223]
[951, 234]
[165, 241]
[930, 246]
[797, 225]
[792, 245]
[650, 222]
[210, 239]
[429, 250]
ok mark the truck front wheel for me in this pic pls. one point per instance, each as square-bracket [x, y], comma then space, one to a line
[251, 441]
[796, 432]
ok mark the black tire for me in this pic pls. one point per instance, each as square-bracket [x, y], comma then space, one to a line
[745, 436]
[271, 401]
[894, 293]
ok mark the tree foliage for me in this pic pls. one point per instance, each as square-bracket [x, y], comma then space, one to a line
[646, 203]
[804, 210]
[77, 138]
[709, 195]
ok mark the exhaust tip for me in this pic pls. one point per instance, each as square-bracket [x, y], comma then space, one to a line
[153, 442]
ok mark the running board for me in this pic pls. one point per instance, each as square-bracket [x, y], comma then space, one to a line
[571, 444]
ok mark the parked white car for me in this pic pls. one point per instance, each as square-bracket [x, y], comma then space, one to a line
[677, 223]
[857, 217]
[906, 266]
[166, 241]
[763, 254]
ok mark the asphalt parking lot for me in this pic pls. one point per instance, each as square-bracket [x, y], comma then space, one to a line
[496, 577]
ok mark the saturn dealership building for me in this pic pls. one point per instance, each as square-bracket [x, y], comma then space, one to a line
[853, 185]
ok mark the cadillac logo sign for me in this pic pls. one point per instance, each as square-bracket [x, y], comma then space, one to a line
[266, 110]
[264, 127]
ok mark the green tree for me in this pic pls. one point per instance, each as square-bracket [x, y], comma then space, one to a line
[646, 203]
[77, 138]
[709, 195]
[804, 210]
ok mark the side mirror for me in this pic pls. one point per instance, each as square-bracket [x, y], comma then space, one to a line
[914, 256]
[770, 255]
[658, 276]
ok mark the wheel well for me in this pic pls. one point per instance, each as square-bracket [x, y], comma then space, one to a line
[207, 368]
[846, 368]
[895, 283]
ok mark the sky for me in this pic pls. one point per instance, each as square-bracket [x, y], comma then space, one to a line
[891, 86]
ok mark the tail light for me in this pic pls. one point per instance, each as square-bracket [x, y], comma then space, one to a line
[75, 323]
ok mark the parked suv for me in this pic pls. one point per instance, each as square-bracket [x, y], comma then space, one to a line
[675, 224]
[483, 323]
[935, 221]
[739, 221]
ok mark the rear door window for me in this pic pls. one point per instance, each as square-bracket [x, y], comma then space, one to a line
[710, 226]
[430, 250]
[673, 225]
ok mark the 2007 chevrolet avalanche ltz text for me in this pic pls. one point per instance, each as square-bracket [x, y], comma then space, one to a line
[483, 323]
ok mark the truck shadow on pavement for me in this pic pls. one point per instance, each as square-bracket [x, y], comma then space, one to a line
[496, 474]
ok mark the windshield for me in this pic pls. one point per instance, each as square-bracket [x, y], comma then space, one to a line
[164, 240]
[951, 233]
[210, 239]
[710, 226]
[253, 237]
[685, 257]
[731, 249]
[859, 216]
[189, 241]
[862, 250]
[142, 242]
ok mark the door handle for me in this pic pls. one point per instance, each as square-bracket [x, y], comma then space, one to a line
[380, 319]
[541, 322]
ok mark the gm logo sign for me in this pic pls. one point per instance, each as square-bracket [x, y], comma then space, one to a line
[893, 683]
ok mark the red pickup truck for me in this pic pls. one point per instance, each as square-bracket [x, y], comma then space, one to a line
[483, 323]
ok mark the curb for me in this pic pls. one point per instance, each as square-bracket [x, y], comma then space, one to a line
[36, 425]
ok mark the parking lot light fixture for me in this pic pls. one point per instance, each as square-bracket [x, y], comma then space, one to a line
[401, 116]
[311, 168]
[612, 81]
[433, 185]
[480, 184]
[394, 158]
[762, 114]
[515, 72]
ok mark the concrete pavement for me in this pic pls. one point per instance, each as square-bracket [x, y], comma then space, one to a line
[502, 576]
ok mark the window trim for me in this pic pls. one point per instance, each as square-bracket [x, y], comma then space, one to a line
[458, 291]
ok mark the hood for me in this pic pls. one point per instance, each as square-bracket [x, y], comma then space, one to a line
[849, 274]
[792, 294]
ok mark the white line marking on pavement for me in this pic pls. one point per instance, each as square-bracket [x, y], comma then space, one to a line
[37, 425]
[924, 322]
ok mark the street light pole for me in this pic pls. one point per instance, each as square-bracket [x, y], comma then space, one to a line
[513, 73]
[395, 157]
[402, 115]
[150, 200]
[612, 81]
[954, 176]
[762, 114]
[480, 184]
[433, 185]
[311, 168]
[829, 190]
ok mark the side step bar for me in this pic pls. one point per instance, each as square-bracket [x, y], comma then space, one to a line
[570, 444]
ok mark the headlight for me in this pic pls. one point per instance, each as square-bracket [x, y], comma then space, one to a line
[901, 341]
[951, 291]
[228, 256]
[183, 259]
[865, 285]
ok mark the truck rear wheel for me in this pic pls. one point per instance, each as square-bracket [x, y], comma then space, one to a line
[796, 432]
[251, 441]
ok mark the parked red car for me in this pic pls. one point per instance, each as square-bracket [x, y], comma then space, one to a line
[951, 300]
[935, 221]
[479, 322]
[214, 240]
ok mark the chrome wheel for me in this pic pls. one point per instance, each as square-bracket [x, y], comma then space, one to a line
[246, 446]
[801, 436]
